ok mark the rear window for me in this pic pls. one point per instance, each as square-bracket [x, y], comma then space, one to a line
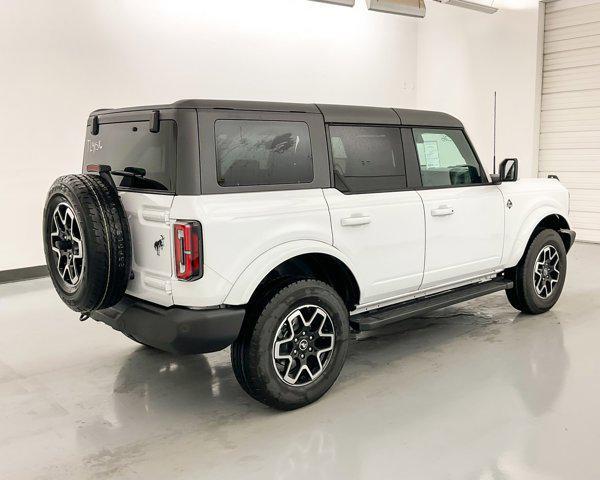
[256, 152]
[149, 158]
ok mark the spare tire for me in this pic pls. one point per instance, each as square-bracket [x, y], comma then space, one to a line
[87, 242]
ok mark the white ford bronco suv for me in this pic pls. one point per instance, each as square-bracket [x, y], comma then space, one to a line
[280, 228]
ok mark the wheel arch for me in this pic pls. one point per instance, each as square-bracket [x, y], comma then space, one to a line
[301, 259]
[537, 222]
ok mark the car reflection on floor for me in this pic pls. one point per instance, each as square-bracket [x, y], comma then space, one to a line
[163, 402]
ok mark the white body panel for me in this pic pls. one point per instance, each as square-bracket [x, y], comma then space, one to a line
[238, 228]
[391, 242]
[261, 266]
[152, 267]
[384, 236]
[532, 199]
[464, 233]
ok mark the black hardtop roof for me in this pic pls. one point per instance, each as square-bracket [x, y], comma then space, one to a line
[331, 113]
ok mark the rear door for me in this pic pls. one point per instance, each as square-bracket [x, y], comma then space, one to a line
[376, 221]
[464, 214]
[144, 169]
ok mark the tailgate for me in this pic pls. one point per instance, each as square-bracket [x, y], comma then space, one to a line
[143, 159]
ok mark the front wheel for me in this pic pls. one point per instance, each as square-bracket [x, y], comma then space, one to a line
[540, 275]
[291, 351]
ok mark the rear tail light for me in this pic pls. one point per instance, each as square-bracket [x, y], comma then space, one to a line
[188, 250]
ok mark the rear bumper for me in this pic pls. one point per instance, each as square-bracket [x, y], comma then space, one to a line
[174, 329]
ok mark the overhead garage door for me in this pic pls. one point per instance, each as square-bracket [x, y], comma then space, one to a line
[570, 117]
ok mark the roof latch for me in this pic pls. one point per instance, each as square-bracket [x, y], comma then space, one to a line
[155, 121]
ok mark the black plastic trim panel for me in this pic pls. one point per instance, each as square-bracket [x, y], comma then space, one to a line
[569, 236]
[174, 329]
[395, 313]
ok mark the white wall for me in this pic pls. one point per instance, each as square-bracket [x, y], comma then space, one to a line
[61, 59]
[464, 56]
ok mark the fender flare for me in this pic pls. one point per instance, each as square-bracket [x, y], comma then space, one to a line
[527, 229]
[244, 286]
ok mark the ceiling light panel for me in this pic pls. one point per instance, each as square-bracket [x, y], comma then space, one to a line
[470, 5]
[349, 3]
[411, 8]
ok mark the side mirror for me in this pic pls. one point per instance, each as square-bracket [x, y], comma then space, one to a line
[509, 170]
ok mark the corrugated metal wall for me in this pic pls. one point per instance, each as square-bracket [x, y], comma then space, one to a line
[570, 117]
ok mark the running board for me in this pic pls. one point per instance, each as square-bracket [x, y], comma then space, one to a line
[395, 313]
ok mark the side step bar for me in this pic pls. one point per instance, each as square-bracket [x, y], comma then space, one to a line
[395, 313]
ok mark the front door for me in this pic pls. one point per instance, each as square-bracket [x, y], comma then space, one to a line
[376, 221]
[464, 214]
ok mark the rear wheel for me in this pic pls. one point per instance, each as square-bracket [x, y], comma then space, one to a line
[291, 351]
[540, 275]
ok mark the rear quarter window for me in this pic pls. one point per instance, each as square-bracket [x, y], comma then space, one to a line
[131, 145]
[256, 152]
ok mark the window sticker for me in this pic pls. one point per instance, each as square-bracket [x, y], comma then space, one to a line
[432, 155]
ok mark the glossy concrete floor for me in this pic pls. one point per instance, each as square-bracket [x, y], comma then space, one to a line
[471, 392]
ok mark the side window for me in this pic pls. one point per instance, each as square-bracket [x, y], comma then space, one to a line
[367, 159]
[256, 152]
[446, 158]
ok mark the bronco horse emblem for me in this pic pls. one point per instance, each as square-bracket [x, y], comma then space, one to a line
[159, 245]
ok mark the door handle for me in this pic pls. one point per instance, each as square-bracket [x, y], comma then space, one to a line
[442, 210]
[354, 221]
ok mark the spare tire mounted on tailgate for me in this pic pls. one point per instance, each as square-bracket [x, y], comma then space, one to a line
[87, 242]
